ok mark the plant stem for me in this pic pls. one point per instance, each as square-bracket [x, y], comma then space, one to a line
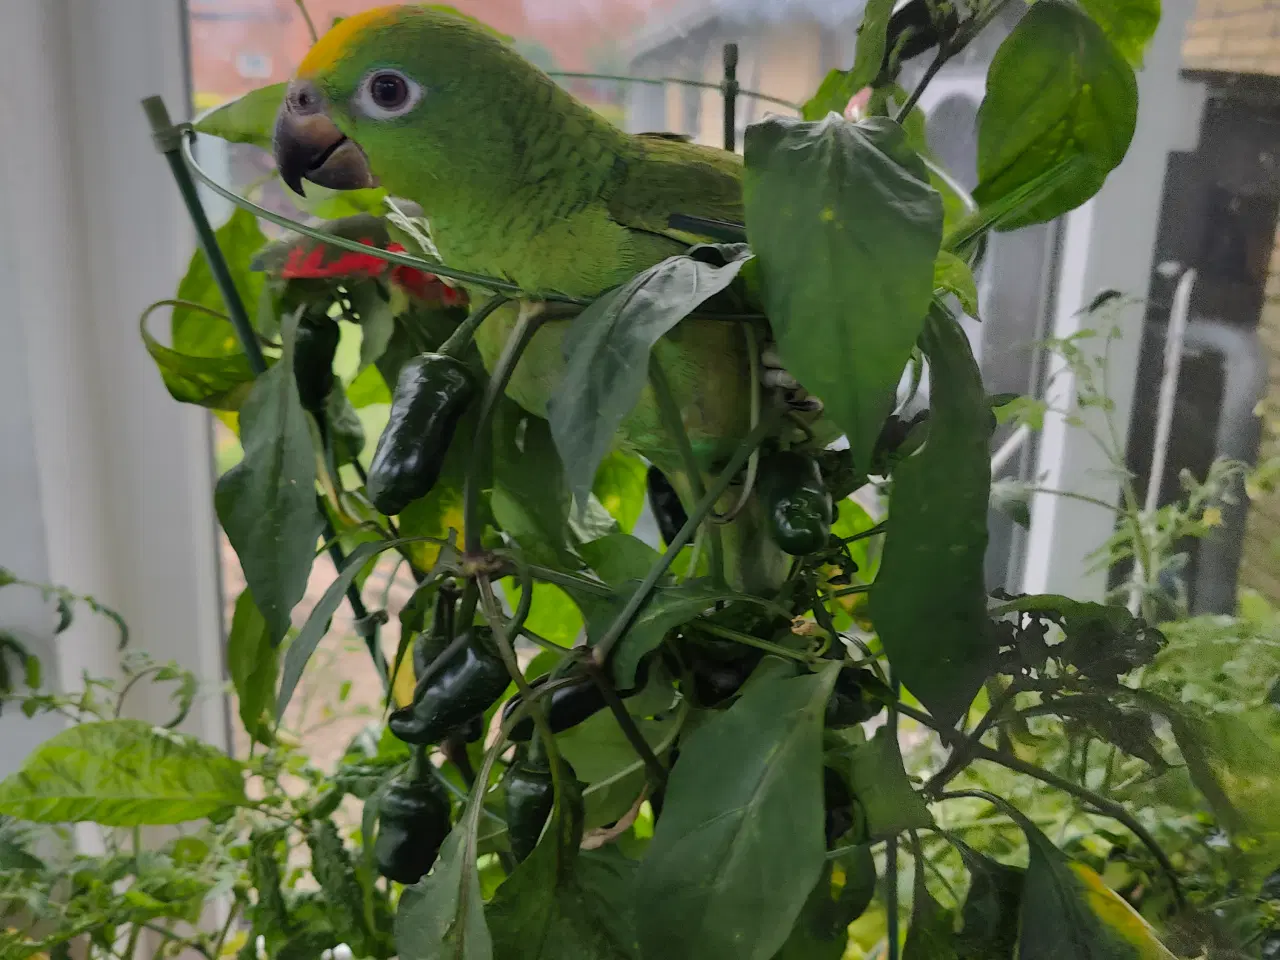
[570, 581]
[715, 629]
[673, 422]
[960, 755]
[891, 848]
[526, 326]
[657, 773]
[1082, 498]
[851, 591]
[306, 18]
[461, 338]
[942, 57]
[878, 529]
[1104, 806]
[637, 600]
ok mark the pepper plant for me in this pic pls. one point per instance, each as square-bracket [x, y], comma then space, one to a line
[697, 763]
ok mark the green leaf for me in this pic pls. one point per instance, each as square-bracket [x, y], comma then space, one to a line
[195, 332]
[219, 383]
[377, 323]
[1013, 497]
[620, 488]
[530, 499]
[441, 917]
[618, 558]
[122, 773]
[346, 429]
[952, 275]
[368, 388]
[879, 781]
[839, 86]
[990, 911]
[1068, 913]
[666, 609]
[252, 661]
[846, 229]
[606, 763]
[1057, 91]
[607, 350]
[1129, 24]
[931, 935]
[317, 625]
[929, 602]
[247, 119]
[739, 845]
[554, 614]
[267, 502]
[842, 894]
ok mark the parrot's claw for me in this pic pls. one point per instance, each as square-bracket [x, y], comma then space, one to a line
[774, 377]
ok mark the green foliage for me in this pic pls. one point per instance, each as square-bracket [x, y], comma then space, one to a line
[1059, 91]
[607, 351]
[252, 661]
[815, 195]
[199, 333]
[839, 86]
[247, 119]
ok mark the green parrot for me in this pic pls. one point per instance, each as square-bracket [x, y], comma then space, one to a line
[519, 180]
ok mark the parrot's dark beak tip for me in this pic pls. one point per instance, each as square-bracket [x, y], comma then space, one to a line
[309, 146]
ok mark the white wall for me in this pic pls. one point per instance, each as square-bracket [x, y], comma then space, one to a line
[106, 482]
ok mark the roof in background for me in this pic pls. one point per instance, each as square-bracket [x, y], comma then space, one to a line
[685, 16]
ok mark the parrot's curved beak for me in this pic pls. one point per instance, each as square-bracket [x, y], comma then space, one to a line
[309, 146]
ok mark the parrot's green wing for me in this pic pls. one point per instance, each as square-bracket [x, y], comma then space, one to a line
[665, 177]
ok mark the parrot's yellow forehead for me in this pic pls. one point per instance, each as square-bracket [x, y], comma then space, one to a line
[330, 48]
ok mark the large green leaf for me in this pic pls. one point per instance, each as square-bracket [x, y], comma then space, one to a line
[846, 229]
[247, 119]
[1130, 24]
[879, 781]
[317, 625]
[620, 488]
[841, 895]
[1068, 913]
[219, 383]
[618, 558]
[839, 86]
[606, 762]
[990, 911]
[739, 845]
[122, 773]
[252, 661]
[267, 502]
[530, 499]
[441, 917]
[607, 351]
[929, 602]
[1057, 90]
[195, 332]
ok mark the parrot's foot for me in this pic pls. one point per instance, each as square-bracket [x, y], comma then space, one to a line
[775, 377]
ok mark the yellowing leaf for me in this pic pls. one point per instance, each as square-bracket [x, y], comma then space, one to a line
[1118, 917]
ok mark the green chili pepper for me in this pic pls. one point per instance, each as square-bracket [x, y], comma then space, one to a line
[668, 511]
[797, 502]
[530, 795]
[413, 820]
[455, 692]
[314, 347]
[432, 393]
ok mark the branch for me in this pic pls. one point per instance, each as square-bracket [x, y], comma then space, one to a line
[657, 773]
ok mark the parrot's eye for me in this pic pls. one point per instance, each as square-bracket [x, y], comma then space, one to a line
[386, 94]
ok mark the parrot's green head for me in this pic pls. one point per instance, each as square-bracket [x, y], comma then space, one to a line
[402, 96]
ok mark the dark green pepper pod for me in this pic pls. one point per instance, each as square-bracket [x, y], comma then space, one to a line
[413, 820]
[716, 679]
[668, 511]
[455, 692]
[796, 501]
[314, 346]
[529, 798]
[853, 700]
[570, 705]
[432, 393]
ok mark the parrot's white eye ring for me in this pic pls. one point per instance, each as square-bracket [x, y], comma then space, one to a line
[386, 94]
